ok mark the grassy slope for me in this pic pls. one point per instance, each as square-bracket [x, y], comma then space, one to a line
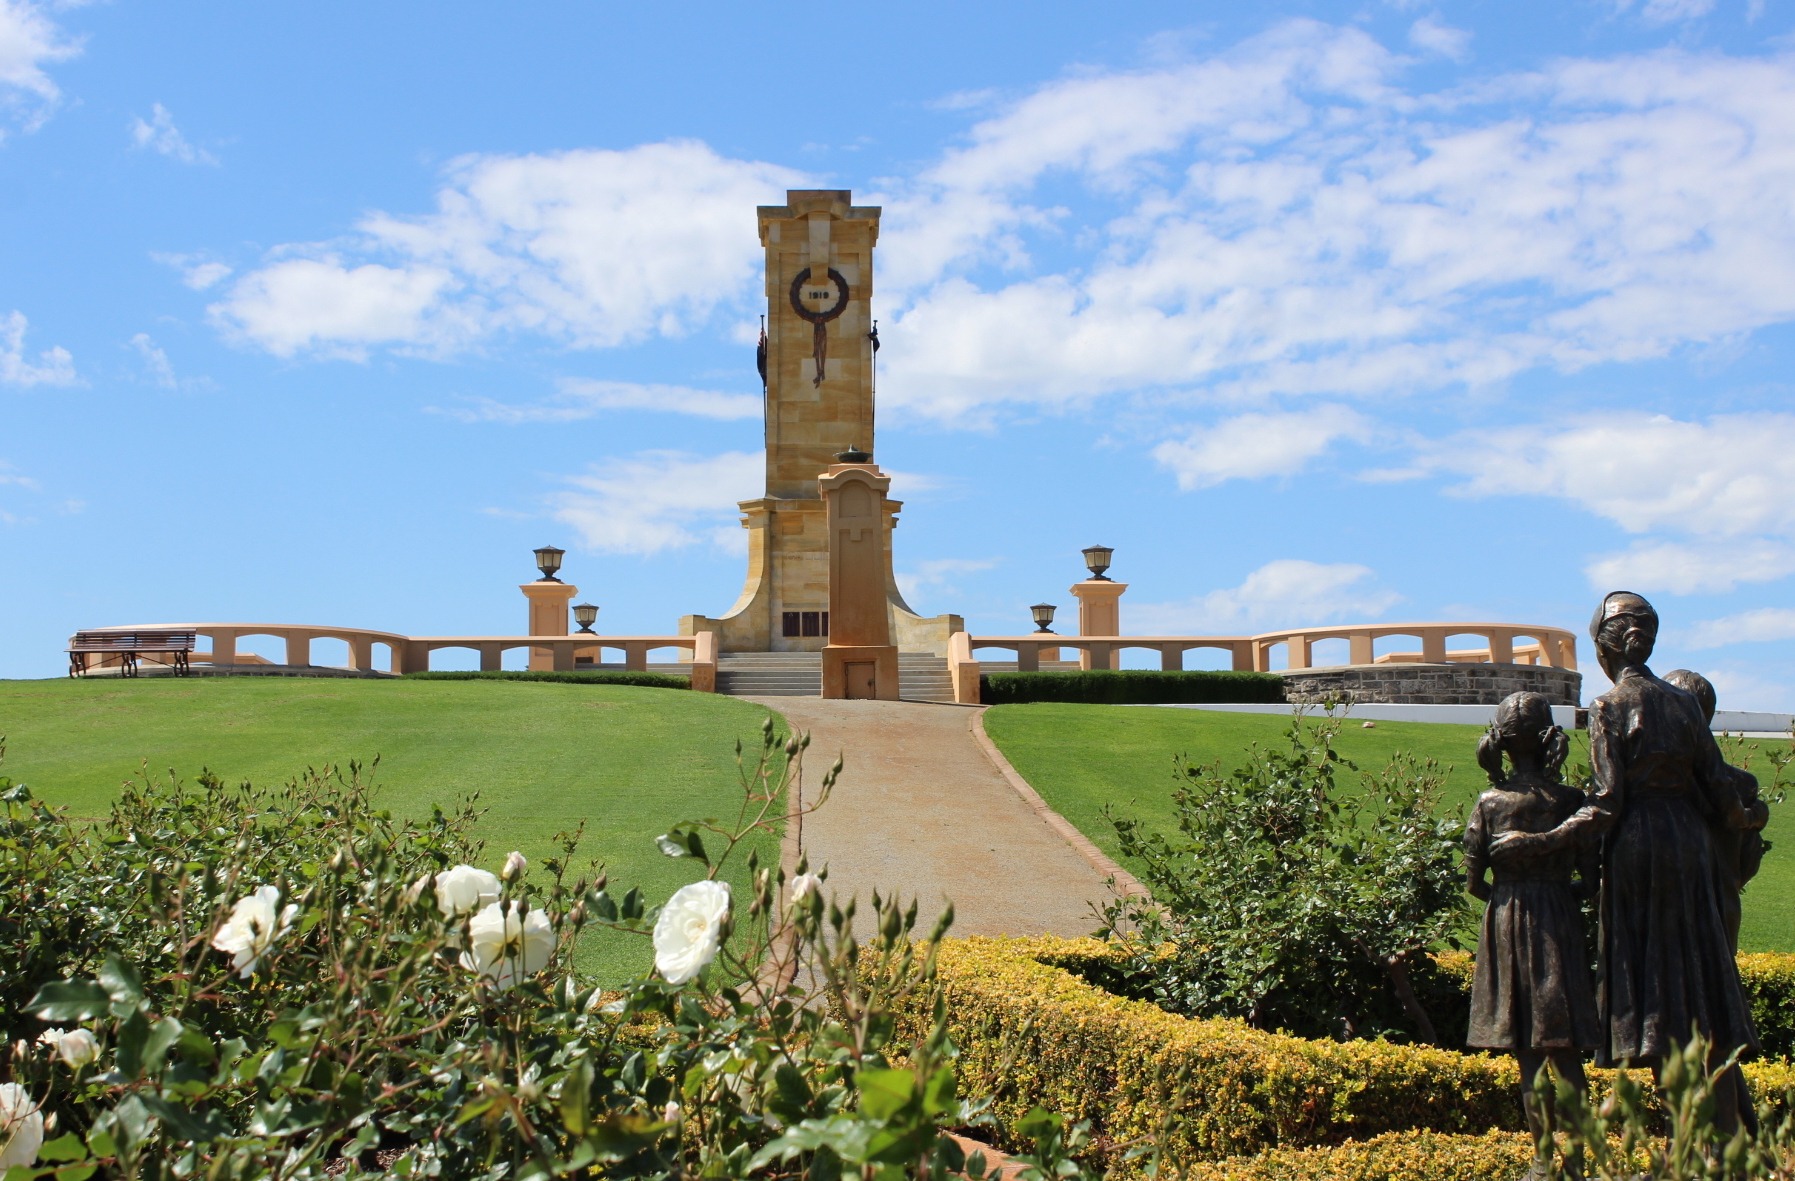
[628, 761]
[1081, 757]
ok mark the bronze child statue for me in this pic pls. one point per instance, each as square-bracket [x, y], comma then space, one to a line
[1532, 993]
[1738, 852]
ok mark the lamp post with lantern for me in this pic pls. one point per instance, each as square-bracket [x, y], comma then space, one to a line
[1099, 604]
[549, 597]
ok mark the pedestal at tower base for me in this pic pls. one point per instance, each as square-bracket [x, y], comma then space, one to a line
[860, 671]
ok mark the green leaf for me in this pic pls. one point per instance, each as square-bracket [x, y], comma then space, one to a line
[576, 1097]
[99, 1142]
[164, 1034]
[70, 1000]
[197, 1048]
[883, 1093]
[621, 1134]
[76, 1172]
[682, 842]
[121, 981]
[132, 1037]
[938, 1095]
[184, 1124]
[66, 1147]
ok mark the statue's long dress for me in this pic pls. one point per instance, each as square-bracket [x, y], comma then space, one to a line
[1660, 781]
[1531, 989]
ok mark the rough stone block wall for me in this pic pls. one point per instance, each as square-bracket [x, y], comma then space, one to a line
[1431, 684]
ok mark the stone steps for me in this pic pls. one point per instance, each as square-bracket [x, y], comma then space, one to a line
[921, 677]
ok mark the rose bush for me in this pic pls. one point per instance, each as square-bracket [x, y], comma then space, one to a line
[250, 983]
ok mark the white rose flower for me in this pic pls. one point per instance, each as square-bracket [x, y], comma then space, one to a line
[21, 1127]
[506, 945]
[689, 931]
[76, 1047]
[464, 889]
[803, 885]
[253, 927]
[514, 867]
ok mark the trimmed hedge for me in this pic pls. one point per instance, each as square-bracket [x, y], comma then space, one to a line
[1133, 687]
[1769, 980]
[1034, 1033]
[1394, 1156]
[608, 676]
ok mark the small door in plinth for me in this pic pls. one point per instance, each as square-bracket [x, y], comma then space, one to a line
[863, 680]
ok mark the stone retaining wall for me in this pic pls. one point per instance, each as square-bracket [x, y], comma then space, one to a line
[1431, 684]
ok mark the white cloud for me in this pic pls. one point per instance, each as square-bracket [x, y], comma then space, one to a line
[1256, 445]
[1663, 12]
[668, 399]
[939, 575]
[154, 360]
[53, 366]
[11, 475]
[1288, 592]
[1713, 493]
[1688, 568]
[661, 500]
[1435, 36]
[321, 304]
[1763, 625]
[1287, 217]
[1748, 689]
[197, 271]
[582, 398]
[1727, 477]
[160, 135]
[29, 41]
[592, 248]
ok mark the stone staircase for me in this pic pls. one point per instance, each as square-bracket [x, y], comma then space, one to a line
[770, 674]
[921, 677]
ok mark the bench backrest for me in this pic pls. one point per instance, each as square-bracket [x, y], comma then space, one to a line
[144, 641]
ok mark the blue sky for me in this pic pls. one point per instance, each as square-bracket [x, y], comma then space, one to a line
[1316, 312]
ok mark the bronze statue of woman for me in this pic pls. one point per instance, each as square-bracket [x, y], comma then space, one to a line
[1666, 969]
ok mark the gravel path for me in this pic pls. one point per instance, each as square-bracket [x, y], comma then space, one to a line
[921, 809]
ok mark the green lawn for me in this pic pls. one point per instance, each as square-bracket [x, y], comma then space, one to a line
[628, 761]
[1081, 757]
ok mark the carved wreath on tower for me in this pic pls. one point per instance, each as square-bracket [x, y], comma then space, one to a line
[819, 345]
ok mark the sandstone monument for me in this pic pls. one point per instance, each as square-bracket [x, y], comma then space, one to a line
[818, 364]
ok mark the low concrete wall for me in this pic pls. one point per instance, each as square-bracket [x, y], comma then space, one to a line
[1432, 684]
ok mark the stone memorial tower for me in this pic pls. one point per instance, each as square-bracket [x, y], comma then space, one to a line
[817, 363]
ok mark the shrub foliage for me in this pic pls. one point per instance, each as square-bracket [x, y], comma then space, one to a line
[1155, 1086]
[1292, 901]
[360, 1020]
[1132, 687]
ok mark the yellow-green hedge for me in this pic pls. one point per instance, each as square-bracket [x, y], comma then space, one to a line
[1394, 1156]
[1032, 1034]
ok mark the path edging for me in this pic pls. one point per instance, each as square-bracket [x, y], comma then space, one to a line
[1125, 883]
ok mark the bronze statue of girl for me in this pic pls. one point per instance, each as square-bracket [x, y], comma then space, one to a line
[1532, 993]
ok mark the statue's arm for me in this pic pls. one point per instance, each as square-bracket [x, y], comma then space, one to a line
[1601, 805]
[1476, 854]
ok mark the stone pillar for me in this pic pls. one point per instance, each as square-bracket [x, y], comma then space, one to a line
[859, 661]
[549, 602]
[1099, 613]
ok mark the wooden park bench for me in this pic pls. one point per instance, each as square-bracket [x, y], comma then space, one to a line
[128, 646]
